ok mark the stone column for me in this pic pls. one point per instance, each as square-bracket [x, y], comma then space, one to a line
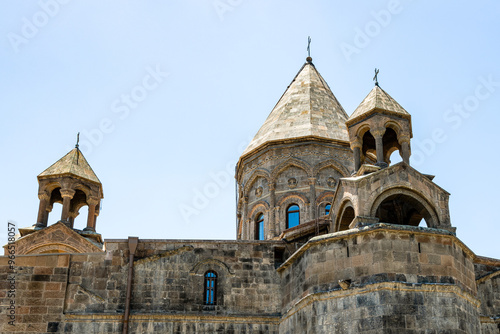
[72, 216]
[356, 148]
[42, 210]
[404, 141]
[91, 219]
[272, 202]
[67, 195]
[312, 192]
[379, 146]
[244, 228]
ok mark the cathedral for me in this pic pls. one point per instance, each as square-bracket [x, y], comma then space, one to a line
[331, 238]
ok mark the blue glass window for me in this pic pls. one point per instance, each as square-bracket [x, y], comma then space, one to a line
[259, 227]
[327, 209]
[292, 216]
[210, 287]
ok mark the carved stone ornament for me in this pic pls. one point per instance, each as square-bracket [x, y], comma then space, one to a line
[292, 183]
[258, 191]
[331, 182]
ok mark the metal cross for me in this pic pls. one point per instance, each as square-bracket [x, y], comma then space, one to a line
[76, 146]
[375, 78]
[309, 46]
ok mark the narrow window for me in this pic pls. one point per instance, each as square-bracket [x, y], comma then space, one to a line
[327, 209]
[210, 288]
[292, 216]
[259, 227]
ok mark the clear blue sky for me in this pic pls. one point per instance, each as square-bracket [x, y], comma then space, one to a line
[167, 94]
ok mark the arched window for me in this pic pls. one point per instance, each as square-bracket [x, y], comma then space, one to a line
[292, 216]
[259, 227]
[327, 209]
[210, 297]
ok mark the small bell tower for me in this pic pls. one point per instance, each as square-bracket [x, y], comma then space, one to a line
[71, 182]
[377, 128]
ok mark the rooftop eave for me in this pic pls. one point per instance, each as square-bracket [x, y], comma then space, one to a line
[270, 143]
[360, 118]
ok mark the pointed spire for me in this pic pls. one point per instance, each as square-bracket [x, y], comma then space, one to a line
[72, 163]
[308, 108]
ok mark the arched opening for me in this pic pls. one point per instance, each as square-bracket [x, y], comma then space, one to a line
[391, 144]
[292, 216]
[403, 209]
[78, 211]
[259, 227]
[55, 213]
[346, 218]
[210, 288]
[394, 157]
[369, 147]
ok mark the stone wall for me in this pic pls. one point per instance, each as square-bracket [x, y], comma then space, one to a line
[39, 286]
[351, 267]
[488, 292]
[376, 279]
[167, 293]
[384, 308]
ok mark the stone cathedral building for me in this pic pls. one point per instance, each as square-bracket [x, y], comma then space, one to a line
[331, 238]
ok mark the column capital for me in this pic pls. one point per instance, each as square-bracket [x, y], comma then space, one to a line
[356, 143]
[91, 200]
[377, 132]
[312, 181]
[67, 193]
[43, 196]
[404, 139]
[272, 186]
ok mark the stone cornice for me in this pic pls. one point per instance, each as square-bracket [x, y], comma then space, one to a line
[372, 229]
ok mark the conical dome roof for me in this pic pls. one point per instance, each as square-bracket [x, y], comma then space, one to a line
[308, 108]
[72, 163]
[378, 100]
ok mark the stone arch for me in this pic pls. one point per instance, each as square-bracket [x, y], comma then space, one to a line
[345, 215]
[414, 201]
[324, 198]
[362, 130]
[52, 248]
[333, 164]
[285, 200]
[260, 206]
[201, 267]
[395, 126]
[291, 162]
[254, 177]
[283, 204]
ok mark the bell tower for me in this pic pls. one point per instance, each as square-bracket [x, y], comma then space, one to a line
[71, 182]
[377, 128]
